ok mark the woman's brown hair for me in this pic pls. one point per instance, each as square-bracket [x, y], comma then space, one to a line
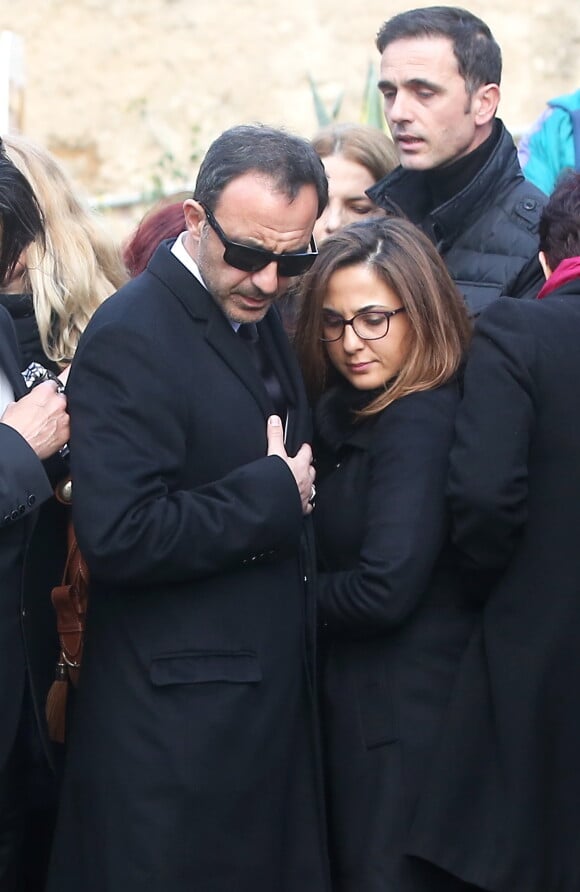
[364, 145]
[405, 260]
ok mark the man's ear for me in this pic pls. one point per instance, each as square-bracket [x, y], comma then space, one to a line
[545, 265]
[485, 102]
[194, 217]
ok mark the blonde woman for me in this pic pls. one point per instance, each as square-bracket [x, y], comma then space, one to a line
[55, 287]
[58, 285]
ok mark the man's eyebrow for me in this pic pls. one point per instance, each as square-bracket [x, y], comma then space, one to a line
[416, 83]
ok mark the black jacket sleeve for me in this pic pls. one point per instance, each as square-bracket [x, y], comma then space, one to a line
[406, 524]
[488, 473]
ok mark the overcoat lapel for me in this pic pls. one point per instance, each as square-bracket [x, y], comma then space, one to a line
[224, 340]
[219, 333]
[285, 365]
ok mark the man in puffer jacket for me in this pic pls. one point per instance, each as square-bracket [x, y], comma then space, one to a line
[459, 178]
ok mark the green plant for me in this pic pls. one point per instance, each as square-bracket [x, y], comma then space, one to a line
[372, 111]
[323, 116]
[372, 107]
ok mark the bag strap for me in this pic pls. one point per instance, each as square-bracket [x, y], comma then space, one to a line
[70, 598]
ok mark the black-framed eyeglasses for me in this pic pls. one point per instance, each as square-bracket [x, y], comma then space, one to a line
[370, 325]
[252, 260]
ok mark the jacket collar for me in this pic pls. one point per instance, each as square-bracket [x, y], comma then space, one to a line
[336, 420]
[566, 271]
[406, 188]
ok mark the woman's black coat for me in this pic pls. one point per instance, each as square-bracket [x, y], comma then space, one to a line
[395, 620]
[502, 809]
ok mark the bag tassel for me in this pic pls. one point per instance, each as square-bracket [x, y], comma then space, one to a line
[56, 703]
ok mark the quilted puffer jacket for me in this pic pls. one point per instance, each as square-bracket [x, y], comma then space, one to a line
[487, 234]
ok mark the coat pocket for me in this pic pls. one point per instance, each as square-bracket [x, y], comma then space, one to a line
[202, 667]
[377, 712]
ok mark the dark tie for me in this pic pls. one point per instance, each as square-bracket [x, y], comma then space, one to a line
[249, 335]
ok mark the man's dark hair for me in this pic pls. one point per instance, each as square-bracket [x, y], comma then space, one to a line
[476, 51]
[21, 220]
[288, 160]
[560, 221]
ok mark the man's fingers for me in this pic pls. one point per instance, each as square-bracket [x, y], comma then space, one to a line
[275, 434]
[304, 454]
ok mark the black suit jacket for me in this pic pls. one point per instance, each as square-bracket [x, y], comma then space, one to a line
[194, 740]
[501, 806]
[24, 486]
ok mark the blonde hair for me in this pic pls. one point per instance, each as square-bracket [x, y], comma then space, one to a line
[407, 262]
[360, 143]
[77, 267]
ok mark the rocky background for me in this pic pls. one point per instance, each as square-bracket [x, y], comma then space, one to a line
[129, 93]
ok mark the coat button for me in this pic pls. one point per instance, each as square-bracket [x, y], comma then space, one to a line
[31, 500]
[14, 515]
[21, 509]
[530, 204]
[6, 518]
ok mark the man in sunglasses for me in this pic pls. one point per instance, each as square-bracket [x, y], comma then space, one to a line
[193, 757]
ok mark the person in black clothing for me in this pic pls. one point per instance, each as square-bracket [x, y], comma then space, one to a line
[32, 428]
[459, 177]
[500, 807]
[381, 337]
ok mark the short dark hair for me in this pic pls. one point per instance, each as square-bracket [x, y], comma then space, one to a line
[477, 53]
[288, 160]
[21, 220]
[560, 221]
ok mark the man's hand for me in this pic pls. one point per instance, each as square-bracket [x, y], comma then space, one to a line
[41, 418]
[301, 465]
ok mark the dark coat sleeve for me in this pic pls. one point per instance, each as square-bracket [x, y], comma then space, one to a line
[406, 521]
[129, 444]
[24, 485]
[488, 473]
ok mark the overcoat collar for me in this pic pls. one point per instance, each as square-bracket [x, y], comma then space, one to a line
[336, 421]
[224, 340]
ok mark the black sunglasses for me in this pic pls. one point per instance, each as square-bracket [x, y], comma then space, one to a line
[252, 260]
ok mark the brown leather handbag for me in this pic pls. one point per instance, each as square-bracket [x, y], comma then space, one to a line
[70, 600]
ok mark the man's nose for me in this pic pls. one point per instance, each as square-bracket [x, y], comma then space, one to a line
[398, 110]
[266, 279]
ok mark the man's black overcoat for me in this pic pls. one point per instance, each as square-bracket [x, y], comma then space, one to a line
[193, 753]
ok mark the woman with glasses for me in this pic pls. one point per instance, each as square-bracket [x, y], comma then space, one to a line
[381, 338]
